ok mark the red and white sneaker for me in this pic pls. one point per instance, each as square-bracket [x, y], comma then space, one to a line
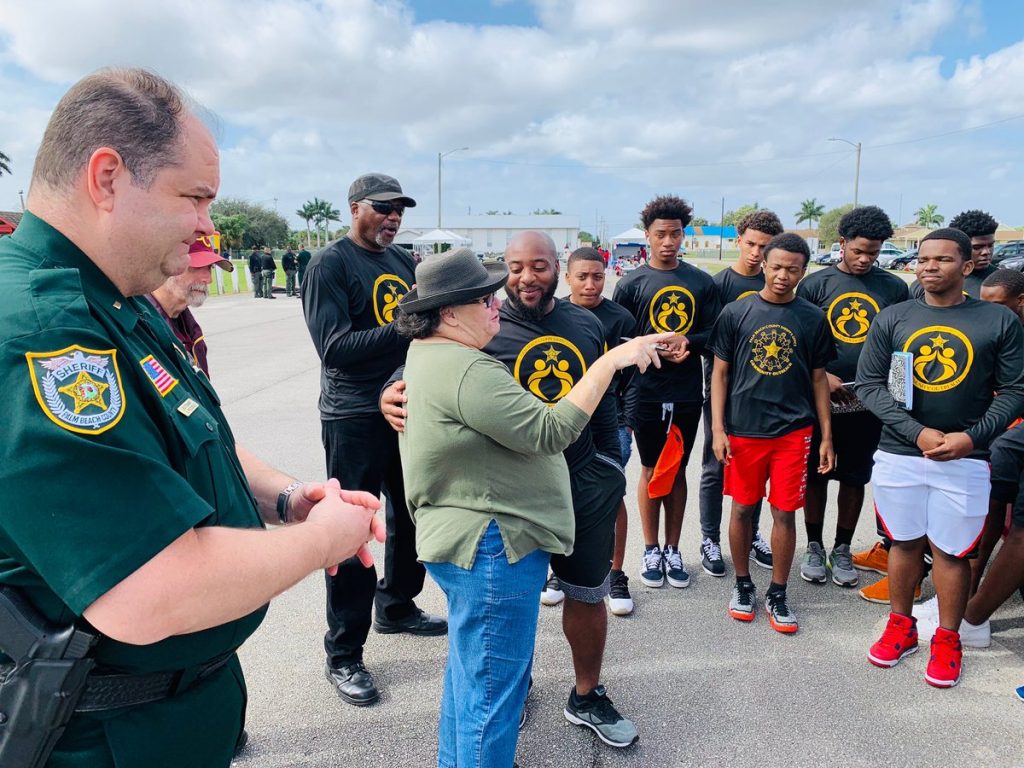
[946, 662]
[898, 640]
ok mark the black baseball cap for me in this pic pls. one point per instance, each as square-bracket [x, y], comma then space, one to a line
[378, 186]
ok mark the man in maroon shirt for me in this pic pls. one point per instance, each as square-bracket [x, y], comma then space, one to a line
[190, 289]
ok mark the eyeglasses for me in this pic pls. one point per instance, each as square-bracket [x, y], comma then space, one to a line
[487, 301]
[385, 208]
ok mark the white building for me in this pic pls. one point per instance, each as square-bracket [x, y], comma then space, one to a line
[490, 234]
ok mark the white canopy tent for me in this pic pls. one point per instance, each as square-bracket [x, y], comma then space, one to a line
[631, 236]
[436, 236]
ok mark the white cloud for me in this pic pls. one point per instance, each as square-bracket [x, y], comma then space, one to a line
[734, 98]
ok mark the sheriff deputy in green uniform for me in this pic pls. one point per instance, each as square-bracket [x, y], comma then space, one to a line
[124, 503]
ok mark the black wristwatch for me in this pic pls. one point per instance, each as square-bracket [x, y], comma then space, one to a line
[282, 501]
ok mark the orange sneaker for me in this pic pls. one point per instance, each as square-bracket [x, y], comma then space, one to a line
[879, 592]
[875, 559]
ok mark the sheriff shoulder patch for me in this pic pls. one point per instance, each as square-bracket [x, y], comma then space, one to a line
[78, 389]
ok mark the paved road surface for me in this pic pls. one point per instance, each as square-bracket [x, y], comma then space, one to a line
[703, 689]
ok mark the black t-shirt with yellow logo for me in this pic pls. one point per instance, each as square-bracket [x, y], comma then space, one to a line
[683, 300]
[962, 355]
[732, 285]
[772, 351]
[548, 357]
[350, 296]
[851, 303]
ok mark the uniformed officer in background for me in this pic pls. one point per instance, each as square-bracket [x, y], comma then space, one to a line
[124, 502]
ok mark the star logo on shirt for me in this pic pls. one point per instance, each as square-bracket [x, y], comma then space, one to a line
[551, 354]
[771, 349]
[942, 357]
[850, 315]
[548, 367]
[672, 310]
[85, 391]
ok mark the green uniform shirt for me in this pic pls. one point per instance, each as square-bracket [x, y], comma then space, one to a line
[111, 447]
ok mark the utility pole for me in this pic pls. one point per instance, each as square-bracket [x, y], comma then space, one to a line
[439, 156]
[21, 194]
[856, 173]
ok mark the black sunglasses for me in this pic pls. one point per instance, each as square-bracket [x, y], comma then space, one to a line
[487, 301]
[386, 208]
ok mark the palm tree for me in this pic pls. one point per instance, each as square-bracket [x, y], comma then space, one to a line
[810, 211]
[325, 214]
[928, 216]
[307, 213]
[5, 164]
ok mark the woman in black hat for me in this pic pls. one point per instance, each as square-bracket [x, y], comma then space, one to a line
[489, 491]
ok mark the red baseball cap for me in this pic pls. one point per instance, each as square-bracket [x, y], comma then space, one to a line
[201, 254]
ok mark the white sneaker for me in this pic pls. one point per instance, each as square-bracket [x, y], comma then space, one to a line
[928, 610]
[975, 635]
[552, 594]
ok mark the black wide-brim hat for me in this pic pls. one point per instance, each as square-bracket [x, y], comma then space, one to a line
[453, 277]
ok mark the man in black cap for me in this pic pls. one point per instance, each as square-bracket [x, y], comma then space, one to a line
[349, 297]
[256, 271]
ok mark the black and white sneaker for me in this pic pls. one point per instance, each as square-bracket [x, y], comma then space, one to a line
[761, 551]
[674, 570]
[652, 567]
[711, 557]
[552, 594]
[620, 602]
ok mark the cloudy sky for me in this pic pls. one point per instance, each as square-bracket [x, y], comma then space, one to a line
[590, 107]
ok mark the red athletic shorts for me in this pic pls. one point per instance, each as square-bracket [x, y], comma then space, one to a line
[779, 461]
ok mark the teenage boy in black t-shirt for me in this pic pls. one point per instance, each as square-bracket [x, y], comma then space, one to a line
[349, 296]
[742, 279]
[851, 294]
[767, 388]
[585, 275]
[667, 295]
[981, 228]
[931, 476]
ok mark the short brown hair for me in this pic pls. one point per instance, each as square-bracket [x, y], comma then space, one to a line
[133, 111]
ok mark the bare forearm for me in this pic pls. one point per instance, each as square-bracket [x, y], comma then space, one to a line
[719, 388]
[207, 577]
[265, 481]
[822, 403]
[589, 390]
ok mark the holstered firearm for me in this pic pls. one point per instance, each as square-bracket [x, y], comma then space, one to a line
[41, 684]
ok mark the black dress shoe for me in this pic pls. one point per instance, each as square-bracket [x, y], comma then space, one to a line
[354, 683]
[418, 623]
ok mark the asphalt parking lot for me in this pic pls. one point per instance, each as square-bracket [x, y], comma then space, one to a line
[702, 688]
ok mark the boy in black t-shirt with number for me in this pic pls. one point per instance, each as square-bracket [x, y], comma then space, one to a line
[767, 388]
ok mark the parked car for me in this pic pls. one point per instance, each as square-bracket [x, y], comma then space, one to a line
[1013, 262]
[1007, 250]
[898, 260]
[823, 258]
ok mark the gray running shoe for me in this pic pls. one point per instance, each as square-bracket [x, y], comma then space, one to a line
[741, 607]
[812, 567]
[596, 712]
[840, 563]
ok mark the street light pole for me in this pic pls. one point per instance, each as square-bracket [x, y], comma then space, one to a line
[856, 174]
[439, 156]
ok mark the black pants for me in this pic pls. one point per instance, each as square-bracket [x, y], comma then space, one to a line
[362, 453]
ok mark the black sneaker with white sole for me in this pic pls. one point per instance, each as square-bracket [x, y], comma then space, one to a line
[761, 551]
[652, 567]
[711, 557]
[596, 712]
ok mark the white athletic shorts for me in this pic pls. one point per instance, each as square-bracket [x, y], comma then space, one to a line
[947, 501]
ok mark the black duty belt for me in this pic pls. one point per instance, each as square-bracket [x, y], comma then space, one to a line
[114, 691]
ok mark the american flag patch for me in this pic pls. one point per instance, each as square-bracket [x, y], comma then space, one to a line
[162, 380]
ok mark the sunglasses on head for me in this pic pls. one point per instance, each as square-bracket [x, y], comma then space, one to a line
[385, 208]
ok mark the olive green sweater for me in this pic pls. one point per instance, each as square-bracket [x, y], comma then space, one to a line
[478, 447]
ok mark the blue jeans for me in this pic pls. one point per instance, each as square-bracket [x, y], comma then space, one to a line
[625, 444]
[492, 628]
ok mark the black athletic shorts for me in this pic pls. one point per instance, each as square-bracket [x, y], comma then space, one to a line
[597, 489]
[650, 429]
[855, 439]
[1007, 460]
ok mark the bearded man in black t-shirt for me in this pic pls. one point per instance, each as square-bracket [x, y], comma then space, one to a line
[768, 388]
[349, 295]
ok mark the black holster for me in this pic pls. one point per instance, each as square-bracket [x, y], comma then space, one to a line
[41, 684]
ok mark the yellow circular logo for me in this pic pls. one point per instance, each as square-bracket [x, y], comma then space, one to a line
[772, 349]
[672, 310]
[942, 357]
[745, 294]
[388, 290]
[850, 315]
[548, 367]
